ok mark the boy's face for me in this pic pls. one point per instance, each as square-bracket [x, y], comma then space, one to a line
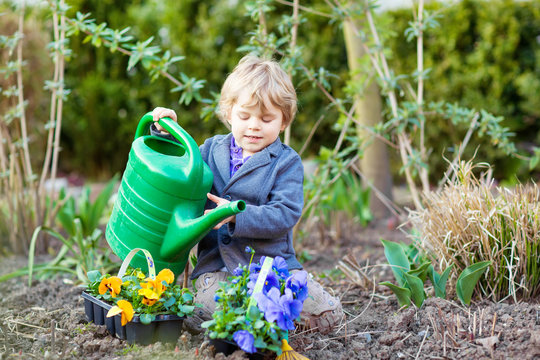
[254, 127]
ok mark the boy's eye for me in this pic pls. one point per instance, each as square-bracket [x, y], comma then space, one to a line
[267, 119]
[243, 116]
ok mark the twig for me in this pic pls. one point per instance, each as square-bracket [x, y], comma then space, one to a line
[53, 326]
[363, 311]
[493, 326]
[351, 335]
[422, 344]
[311, 133]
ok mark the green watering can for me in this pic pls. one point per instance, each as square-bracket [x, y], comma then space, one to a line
[160, 202]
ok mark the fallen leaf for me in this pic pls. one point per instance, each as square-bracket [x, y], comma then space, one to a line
[489, 342]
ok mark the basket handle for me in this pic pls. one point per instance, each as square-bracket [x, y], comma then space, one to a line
[265, 268]
[149, 262]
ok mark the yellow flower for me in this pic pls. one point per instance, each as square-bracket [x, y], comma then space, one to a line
[165, 275]
[155, 285]
[122, 307]
[149, 297]
[112, 284]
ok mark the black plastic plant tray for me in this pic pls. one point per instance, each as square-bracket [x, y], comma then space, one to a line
[165, 328]
[227, 347]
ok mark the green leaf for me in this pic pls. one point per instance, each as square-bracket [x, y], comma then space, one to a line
[468, 279]
[416, 286]
[274, 348]
[439, 281]
[94, 275]
[397, 259]
[170, 301]
[403, 294]
[259, 343]
[258, 324]
[421, 271]
[253, 313]
[207, 324]
[146, 319]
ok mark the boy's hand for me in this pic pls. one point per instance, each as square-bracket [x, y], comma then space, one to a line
[161, 112]
[220, 201]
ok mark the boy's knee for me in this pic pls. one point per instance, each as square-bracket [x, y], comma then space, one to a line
[206, 286]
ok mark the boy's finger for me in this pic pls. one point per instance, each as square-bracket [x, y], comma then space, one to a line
[213, 198]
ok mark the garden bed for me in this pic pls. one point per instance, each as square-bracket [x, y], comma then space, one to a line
[48, 319]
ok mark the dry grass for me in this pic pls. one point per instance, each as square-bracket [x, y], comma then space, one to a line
[471, 220]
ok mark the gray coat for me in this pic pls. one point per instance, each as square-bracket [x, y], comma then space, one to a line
[271, 184]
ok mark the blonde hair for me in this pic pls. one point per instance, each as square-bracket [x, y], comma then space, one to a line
[262, 78]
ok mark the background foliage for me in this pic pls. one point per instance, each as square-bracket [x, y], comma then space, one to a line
[478, 62]
[482, 64]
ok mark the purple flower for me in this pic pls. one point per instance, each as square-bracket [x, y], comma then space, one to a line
[297, 282]
[281, 309]
[238, 271]
[256, 267]
[271, 281]
[280, 265]
[245, 341]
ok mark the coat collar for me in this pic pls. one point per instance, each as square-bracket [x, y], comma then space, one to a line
[222, 159]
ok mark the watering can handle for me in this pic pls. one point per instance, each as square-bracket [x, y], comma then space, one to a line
[192, 149]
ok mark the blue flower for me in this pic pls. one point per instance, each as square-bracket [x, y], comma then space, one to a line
[281, 309]
[245, 341]
[297, 282]
[255, 267]
[280, 265]
[238, 271]
[271, 281]
[249, 250]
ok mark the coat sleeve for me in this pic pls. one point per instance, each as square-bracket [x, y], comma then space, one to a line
[283, 208]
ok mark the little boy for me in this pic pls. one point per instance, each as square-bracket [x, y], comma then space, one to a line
[258, 101]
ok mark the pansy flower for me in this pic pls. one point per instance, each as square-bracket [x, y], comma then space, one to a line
[112, 284]
[297, 282]
[244, 339]
[165, 275]
[281, 309]
[122, 307]
[271, 281]
[149, 296]
[154, 285]
[280, 265]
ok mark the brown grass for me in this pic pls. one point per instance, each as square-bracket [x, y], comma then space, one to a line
[471, 220]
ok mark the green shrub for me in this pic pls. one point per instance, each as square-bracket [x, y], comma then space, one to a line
[484, 55]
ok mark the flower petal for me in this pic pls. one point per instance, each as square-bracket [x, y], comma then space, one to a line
[165, 275]
[115, 310]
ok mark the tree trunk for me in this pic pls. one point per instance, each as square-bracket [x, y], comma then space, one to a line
[368, 112]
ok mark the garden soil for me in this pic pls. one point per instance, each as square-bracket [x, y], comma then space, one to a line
[47, 319]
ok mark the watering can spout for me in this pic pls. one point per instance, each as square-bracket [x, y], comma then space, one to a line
[183, 234]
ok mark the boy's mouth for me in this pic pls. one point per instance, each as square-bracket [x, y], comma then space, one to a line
[253, 138]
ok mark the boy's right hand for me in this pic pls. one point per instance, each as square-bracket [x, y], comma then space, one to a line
[161, 112]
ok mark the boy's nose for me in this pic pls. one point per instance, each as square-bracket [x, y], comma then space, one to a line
[254, 123]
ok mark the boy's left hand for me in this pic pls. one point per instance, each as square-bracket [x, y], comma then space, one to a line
[219, 201]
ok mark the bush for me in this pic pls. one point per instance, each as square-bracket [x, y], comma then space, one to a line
[471, 221]
[483, 64]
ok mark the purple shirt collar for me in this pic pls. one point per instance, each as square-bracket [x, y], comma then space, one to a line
[237, 159]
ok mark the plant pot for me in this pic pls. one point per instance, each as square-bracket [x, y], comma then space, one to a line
[227, 347]
[165, 328]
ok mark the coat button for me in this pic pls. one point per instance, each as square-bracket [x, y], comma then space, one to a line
[227, 240]
[227, 197]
